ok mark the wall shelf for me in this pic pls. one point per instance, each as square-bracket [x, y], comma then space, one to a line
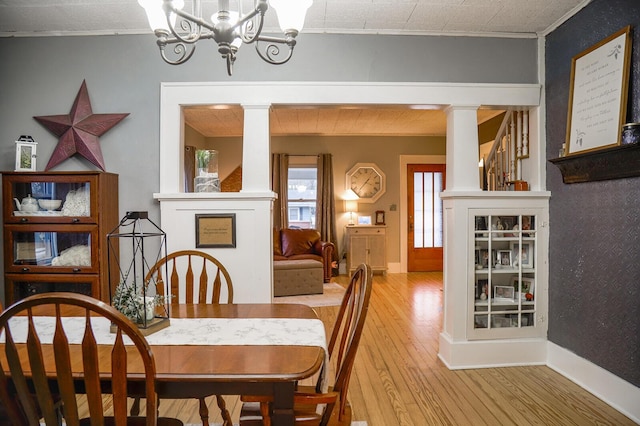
[612, 163]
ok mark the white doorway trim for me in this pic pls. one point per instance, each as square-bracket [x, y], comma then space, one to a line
[404, 161]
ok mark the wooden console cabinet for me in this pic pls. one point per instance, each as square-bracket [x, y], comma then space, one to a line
[367, 244]
[64, 248]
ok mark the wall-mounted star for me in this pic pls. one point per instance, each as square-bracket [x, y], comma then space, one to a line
[79, 130]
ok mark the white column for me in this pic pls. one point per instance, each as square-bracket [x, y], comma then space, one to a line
[256, 147]
[463, 151]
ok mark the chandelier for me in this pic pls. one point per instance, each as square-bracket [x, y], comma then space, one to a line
[180, 30]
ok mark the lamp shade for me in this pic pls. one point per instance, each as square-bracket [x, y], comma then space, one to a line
[155, 13]
[291, 13]
[351, 206]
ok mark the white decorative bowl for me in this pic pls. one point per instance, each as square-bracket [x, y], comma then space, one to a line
[50, 204]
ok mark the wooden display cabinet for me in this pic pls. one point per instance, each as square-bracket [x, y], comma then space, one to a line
[63, 248]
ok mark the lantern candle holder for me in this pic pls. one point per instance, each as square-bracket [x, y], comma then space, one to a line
[133, 248]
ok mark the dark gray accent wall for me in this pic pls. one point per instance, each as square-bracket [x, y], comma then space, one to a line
[594, 272]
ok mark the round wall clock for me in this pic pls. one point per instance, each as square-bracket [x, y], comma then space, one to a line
[367, 181]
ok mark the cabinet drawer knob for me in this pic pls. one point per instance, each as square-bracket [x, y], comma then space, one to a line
[75, 220]
[77, 270]
[25, 269]
[24, 220]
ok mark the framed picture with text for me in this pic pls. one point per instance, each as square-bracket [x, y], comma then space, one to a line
[598, 94]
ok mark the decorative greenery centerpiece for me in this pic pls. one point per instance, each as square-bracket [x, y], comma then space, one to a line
[134, 304]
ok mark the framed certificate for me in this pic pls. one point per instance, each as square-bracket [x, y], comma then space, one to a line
[216, 230]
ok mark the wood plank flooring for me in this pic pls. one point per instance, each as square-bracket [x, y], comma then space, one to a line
[399, 380]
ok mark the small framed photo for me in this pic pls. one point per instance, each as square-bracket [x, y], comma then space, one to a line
[482, 289]
[380, 217]
[503, 292]
[522, 254]
[523, 286]
[216, 230]
[26, 154]
[504, 258]
[364, 220]
[482, 258]
[508, 222]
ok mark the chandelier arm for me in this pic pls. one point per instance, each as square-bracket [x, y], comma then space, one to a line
[271, 51]
[183, 51]
[230, 60]
[191, 24]
[251, 35]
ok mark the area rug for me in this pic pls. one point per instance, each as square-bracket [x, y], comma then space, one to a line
[331, 296]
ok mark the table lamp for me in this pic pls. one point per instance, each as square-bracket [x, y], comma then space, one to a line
[351, 206]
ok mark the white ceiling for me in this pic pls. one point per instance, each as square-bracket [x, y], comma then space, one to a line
[509, 18]
[488, 17]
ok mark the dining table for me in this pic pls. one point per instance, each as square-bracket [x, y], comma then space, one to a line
[199, 363]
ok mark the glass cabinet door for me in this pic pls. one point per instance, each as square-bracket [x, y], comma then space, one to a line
[69, 248]
[19, 286]
[504, 271]
[50, 199]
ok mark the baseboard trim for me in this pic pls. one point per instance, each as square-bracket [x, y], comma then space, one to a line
[468, 354]
[618, 393]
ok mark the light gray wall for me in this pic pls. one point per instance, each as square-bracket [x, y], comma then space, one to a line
[42, 75]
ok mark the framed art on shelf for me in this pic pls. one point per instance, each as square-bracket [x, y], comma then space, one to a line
[504, 258]
[524, 286]
[598, 94]
[503, 292]
[364, 220]
[522, 254]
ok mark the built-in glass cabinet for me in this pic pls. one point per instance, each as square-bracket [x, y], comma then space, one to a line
[503, 289]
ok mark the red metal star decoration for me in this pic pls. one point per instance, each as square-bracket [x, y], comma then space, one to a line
[79, 130]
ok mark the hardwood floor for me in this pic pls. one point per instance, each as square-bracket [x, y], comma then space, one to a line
[399, 380]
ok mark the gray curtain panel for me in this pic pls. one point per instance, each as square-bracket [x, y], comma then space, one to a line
[325, 208]
[280, 185]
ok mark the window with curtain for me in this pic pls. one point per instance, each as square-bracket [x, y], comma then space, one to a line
[302, 194]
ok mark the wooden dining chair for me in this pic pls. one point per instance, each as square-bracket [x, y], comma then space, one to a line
[342, 347]
[28, 367]
[205, 280]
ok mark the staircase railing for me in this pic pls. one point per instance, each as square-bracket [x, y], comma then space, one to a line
[503, 165]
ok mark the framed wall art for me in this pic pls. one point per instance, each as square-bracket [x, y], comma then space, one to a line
[598, 94]
[216, 230]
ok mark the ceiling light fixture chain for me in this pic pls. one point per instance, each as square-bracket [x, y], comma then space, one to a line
[180, 29]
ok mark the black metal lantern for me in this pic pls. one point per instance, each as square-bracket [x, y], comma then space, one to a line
[134, 247]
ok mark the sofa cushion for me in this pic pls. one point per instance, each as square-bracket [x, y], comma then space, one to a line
[307, 256]
[298, 241]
